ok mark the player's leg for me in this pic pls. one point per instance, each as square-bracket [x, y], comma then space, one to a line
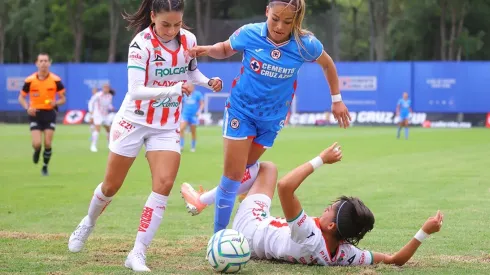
[48, 125]
[163, 154]
[108, 132]
[236, 130]
[197, 201]
[183, 126]
[405, 122]
[255, 208]
[36, 137]
[194, 135]
[95, 133]
[400, 125]
[125, 145]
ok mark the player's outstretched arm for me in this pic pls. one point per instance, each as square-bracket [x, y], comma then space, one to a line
[290, 182]
[220, 50]
[431, 226]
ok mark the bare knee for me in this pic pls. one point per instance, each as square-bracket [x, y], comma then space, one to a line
[36, 145]
[110, 187]
[163, 185]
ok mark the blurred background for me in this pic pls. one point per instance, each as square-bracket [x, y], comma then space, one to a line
[433, 49]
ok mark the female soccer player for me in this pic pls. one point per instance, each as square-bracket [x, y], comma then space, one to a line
[330, 239]
[158, 71]
[193, 106]
[100, 108]
[255, 112]
[403, 111]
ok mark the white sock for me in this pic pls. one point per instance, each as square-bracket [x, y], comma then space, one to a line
[150, 221]
[97, 205]
[95, 137]
[248, 179]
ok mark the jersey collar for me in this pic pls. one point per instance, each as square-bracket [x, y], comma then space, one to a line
[263, 33]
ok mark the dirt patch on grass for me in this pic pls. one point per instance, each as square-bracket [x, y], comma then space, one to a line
[32, 236]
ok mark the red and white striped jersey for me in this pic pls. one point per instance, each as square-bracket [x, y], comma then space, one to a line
[163, 67]
[100, 104]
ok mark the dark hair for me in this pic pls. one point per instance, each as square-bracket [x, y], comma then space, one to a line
[112, 92]
[353, 220]
[43, 53]
[141, 19]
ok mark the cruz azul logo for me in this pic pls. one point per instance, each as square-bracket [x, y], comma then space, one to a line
[165, 103]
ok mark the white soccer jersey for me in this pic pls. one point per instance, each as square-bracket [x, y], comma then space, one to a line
[100, 104]
[301, 241]
[163, 68]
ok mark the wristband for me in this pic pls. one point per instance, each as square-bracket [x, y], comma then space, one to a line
[316, 162]
[336, 98]
[421, 235]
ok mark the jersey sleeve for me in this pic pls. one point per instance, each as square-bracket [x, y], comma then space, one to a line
[25, 88]
[240, 38]
[60, 88]
[138, 54]
[313, 48]
[351, 255]
[304, 229]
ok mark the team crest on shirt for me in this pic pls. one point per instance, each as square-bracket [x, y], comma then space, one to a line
[276, 54]
[255, 65]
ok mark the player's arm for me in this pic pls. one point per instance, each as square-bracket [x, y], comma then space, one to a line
[91, 103]
[23, 94]
[220, 50]
[432, 225]
[60, 89]
[201, 106]
[215, 84]
[398, 108]
[339, 110]
[290, 182]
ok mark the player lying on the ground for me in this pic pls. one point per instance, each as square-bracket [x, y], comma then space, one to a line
[330, 239]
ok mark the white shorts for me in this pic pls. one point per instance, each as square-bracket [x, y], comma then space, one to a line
[252, 216]
[87, 117]
[103, 120]
[127, 138]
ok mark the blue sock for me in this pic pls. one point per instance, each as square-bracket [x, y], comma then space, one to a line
[398, 133]
[182, 142]
[225, 200]
[193, 144]
[406, 132]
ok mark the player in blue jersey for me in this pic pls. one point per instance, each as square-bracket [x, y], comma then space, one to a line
[261, 94]
[403, 111]
[193, 105]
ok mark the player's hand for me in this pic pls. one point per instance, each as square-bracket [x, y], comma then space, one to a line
[341, 114]
[187, 88]
[433, 224]
[198, 51]
[332, 154]
[31, 111]
[52, 103]
[216, 84]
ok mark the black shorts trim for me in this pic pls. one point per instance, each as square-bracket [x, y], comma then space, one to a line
[43, 120]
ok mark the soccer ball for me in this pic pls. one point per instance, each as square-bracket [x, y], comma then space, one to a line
[228, 251]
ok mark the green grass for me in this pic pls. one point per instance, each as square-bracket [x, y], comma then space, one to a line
[403, 182]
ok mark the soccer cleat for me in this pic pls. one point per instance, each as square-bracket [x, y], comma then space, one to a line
[192, 199]
[136, 261]
[35, 156]
[93, 148]
[44, 170]
[79, 236]
[242, 197]
[193, 150]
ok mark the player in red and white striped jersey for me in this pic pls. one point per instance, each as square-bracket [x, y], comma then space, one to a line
[159, 73]
[100, 109]
[330, 239]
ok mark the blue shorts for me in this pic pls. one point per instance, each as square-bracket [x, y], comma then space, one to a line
[404, 116]
[191, 119]
[239, 126]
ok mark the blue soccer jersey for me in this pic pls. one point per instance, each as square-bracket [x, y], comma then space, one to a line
[192, 103]
[265, 88]
[404, 107]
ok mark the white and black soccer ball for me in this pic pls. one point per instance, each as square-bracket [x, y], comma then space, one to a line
[228, 251]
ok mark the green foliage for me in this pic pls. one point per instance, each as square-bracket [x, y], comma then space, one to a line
[413, 30]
